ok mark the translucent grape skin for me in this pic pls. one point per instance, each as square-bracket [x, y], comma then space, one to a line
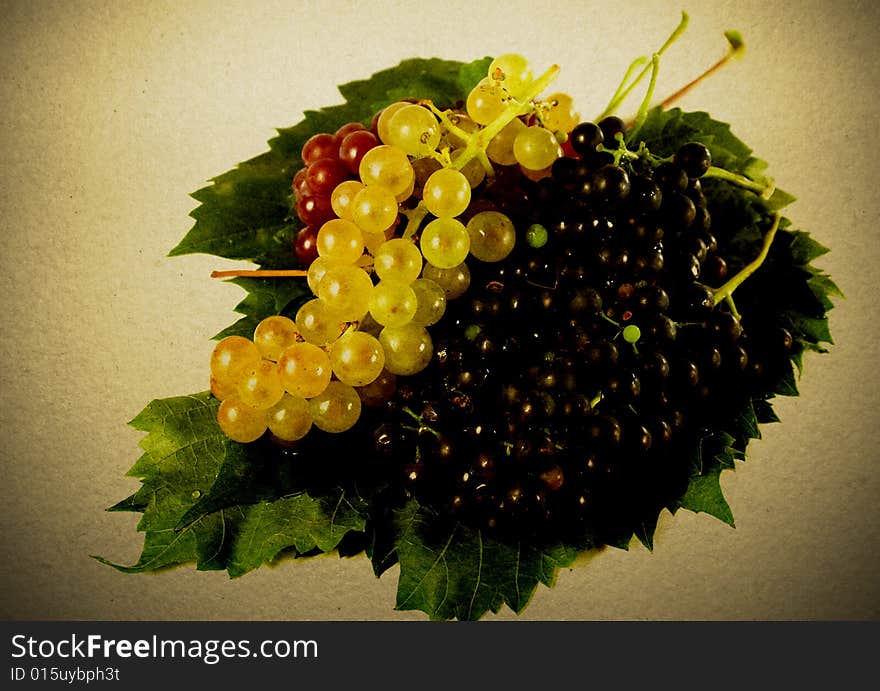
[447, 193]
[408, 348]
[340, 241]
[304, 370]
[317, 324]
[414, 130]
[445, 243]
[345, 292]
[486, 101]
[392, 303]
[337, 408]
[290, 419]
[512, 71]
[274, 334]
[260, 385]
[241, 422]
[535, 148]
[231, 357]
[431, 300]
[388, 167]
[374, 209]
[500, 148]
[492, 236]
[342, 197]
[357, 358]
[455, 280]
[398, 260]
[385, 118]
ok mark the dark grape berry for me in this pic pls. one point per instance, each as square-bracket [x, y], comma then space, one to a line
[586, 137]
[694, 158]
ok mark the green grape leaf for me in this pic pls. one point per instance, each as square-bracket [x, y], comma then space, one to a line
[704, 495]
[204, 499]
[460, 573]
[265, 296]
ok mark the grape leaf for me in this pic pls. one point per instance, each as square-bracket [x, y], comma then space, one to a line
[704, 495]
[194, 510]
[460, 573]
[265, 296]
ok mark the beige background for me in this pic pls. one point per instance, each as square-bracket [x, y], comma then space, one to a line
[114, 111]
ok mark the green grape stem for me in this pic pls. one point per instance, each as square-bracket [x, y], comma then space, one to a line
[642, 114]
[621, 93]
[764, 190]
[414, 218]
[725, 292]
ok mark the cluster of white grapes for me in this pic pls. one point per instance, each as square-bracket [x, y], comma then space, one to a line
[377, 291]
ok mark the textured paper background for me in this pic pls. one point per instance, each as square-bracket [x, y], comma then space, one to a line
[114, 111]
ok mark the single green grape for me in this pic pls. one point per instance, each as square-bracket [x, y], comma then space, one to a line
[445, 242]
[513, 72]
[535, 148]
[317, 324]
[560, 115]
[398, 259]
[291, 418]
[500, 148]
[230, 358]
[357, 358]
[337, 408]
[316, 271]
[486, 101]
[492, 236]
[388, 167]
[408, 348]
[631, 333]
[392, 303]
[536, 235]
[260, 385]
[374, 209]
[431, 300]
[304, 370]
[345, 291]
[241, 422]
[340, 241]
[447, 193]
[455, 280]
[274, 334]
[414, 130]
[385, 118]
[342, 197]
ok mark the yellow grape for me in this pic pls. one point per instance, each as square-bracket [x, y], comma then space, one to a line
[373, 241]
[454, 281]
[492, 236]
[240, 422]
[500, 148]
[274, 334]
[385, 118]
[431, 301]
[337, 408]
[374, 209]
[230, 358]
[445, 242]
[342, 197]
[392, 303]
[304, 370]
[316, 324]
[560, 116]
[340, 241]
[535, 148]
[290, 419]
[408, 348]
[399, 260]
[260, 385]
[414, 130]
[512, 71]
[223, 390]
[316, 272]
[345, 292]
[486, 101]
[357, 358]
[447, 193]
[388, 167]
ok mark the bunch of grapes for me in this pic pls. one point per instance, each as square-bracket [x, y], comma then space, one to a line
[576, 346]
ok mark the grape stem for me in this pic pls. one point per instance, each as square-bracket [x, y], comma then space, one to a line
[725, 292]
[260, 273]
[736, 47]
[766, 191]
[646, 101]
[414, 218]
[621, 93]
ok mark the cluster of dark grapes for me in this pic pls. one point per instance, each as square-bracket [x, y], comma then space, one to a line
[329, 158]
[571, 381]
